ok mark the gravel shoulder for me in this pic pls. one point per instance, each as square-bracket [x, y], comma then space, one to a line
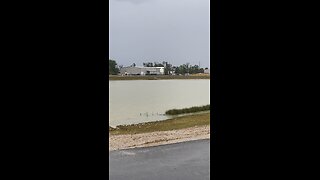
[127, 141]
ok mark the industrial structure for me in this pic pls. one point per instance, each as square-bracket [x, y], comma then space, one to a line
[142, 70]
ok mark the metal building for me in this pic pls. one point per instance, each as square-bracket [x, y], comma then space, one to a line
[142, 71]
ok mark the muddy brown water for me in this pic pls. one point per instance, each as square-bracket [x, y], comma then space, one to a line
[137, 101]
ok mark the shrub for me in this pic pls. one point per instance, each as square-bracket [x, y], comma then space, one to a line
[188, 110]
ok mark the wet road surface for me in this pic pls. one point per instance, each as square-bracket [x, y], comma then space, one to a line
[185, 161]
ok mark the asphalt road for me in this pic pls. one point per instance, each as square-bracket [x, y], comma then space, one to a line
[185, 161]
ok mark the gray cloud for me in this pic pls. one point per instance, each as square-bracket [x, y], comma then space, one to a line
[173, 30]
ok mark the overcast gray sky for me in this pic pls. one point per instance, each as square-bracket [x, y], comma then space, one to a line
[176, 31]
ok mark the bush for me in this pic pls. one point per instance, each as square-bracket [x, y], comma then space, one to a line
[188, 110]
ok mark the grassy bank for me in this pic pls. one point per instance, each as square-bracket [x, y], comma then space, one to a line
[166, 125]
[188, 110]
[160, 77]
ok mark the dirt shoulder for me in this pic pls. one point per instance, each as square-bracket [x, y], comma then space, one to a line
[127, 141]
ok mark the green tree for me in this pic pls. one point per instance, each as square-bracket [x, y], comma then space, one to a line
[158, 64]
[167, 67]
[113, 69]
[148, 64]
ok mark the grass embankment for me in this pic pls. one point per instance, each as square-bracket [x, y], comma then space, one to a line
[165, 125]
[158, 77]
[188, 110]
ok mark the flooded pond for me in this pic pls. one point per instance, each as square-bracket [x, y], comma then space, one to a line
[136, 101]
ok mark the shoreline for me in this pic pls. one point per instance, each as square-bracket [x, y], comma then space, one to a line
[158, 77]
[175, 123]
[129, 141]
[175, 130]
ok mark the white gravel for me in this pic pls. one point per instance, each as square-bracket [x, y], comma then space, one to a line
[117, 142]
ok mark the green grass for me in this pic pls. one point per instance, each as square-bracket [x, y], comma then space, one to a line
[157, 77]
[188, 110]
[165, 125]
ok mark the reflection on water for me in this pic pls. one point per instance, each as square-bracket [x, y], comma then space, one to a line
[132, 102]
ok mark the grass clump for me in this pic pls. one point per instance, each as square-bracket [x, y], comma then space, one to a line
[188, 110]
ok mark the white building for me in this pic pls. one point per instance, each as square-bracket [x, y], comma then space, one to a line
[142, 71]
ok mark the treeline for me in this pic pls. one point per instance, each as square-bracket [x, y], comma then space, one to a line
[188, 69]
[169, 69]
[188, 110]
